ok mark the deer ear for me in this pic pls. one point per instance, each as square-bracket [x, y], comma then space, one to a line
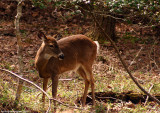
[54, 36]
[58, 36]
[42, 36]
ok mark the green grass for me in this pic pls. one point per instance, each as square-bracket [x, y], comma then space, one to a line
[69, 91]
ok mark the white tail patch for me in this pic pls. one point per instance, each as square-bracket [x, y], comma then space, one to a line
[98, 46]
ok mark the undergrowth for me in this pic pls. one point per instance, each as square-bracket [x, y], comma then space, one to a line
[69, 91]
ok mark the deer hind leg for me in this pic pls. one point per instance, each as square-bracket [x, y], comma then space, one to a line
[88, 71]
[82, 73]
[45, 82]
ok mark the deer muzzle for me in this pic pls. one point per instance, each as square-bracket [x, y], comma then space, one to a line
[61, 56]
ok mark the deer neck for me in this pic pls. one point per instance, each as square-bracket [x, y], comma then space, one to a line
[41, 63]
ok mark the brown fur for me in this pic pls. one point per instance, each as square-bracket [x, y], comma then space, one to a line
[79, 54]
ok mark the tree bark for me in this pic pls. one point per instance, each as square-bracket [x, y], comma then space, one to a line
[108, 24]
[19, 50]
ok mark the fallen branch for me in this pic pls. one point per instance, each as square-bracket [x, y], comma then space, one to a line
[51, 84]
[119, 56]
[41, 90]
[30, 83]
[46, 90]
[147, 95]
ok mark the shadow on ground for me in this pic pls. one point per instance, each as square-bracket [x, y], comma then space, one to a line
[113, 97]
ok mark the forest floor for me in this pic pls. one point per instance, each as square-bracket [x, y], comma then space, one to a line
[139, 49]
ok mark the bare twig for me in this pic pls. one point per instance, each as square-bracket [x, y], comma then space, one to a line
[41, 90]
[122, 61]
[135, 56]
[102, 14]
[153, 50]
[147, 95]
[69, 79]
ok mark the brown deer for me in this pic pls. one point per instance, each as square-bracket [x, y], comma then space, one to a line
[76, 52]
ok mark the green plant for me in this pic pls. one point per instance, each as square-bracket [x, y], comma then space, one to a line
[128, 37]
[100, 108]
[39, 3]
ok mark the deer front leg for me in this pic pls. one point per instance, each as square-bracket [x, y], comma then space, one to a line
[54, 88]
[45, 82]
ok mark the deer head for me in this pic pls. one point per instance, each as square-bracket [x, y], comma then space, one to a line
[50, 47]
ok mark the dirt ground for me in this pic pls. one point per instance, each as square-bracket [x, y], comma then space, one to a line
[138, 47]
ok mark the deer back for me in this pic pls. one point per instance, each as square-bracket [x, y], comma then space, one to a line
[78, 51]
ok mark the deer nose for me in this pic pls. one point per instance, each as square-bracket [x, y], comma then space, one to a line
[61, 56]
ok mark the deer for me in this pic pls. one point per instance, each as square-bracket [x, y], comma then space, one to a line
[73, 53]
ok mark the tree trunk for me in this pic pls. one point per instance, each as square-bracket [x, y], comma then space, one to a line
[108, 24]
[19, 50]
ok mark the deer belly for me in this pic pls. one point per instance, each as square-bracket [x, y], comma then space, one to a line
[69, 68]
